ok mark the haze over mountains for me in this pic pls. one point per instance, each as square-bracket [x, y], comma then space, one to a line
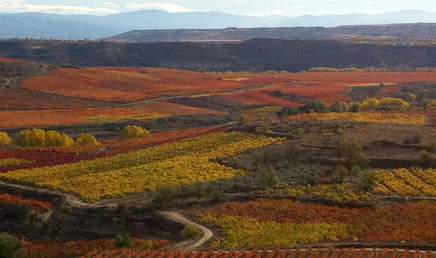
[55, 26]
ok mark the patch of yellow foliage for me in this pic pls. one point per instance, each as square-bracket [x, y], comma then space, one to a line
[241, 232]
[178, 163]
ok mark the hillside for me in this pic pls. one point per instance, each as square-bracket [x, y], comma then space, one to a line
[403, 31]
[55, 26]
[260, 54]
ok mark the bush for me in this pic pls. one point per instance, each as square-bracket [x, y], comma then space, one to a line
[163, 195]
[133, 131]
[189, 232]
[300, 174]
[269, 178]
[10, 246]
[339, 107]
[277, 93]
[147, 244]
[5, 140]
[424, 158]
[370, 104]
[368, 180]
[317, 106]
[123, 240]
[353, 153]
[354, 107]
[86, 139]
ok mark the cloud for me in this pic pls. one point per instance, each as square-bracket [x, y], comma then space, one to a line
[110, 5]
[23, 6]
[171, 8]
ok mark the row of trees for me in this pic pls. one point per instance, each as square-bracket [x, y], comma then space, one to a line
[38, 137]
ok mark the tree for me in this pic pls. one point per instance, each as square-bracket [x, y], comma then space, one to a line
[86, 139]
[5, 140]
[30, 138]
[352, 151]
[54, 138]
[339, 107]
[368, 180]
[317, 106]
[355, 107]
[424, 158]
[133, 131]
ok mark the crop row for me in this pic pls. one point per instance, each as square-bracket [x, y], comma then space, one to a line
[413, 181]
[250, 232]
[290, 253]
[335, 192]
[375, 117]
[260, 97]
[54, 249]
[178, 163]
[416, 224]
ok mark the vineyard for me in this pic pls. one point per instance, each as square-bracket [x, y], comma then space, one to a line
[266, 222]
[390, 118]
[182, 162]
[217, 162]
[413, 182]
[291, 253]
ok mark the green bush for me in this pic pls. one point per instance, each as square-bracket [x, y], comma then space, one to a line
[189, 232]
[339, 107]
[368, 180]
[424, 158]
[147, 244]
[354, 107]
[269, 177]
[123, 240]
[317, 106]
[351, 153]
[300, 174]
[10, 246]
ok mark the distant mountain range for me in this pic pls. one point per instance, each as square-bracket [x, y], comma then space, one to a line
[54, 26]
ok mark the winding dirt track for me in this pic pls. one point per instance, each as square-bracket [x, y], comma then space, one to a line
[207, 234]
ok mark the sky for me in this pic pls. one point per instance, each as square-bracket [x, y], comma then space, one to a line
[243, 7]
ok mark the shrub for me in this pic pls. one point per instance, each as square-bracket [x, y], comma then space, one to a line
[353, 153]
[147, 244]
[189, 232]
[339, 107]
[277, 93]
[354, 107]
[300, 174]
[370, 104]
[368, 179]
[163, 195]
[410, 97]
[5, 140]
[123, 240]
[317, 106]
[86, 139]
[133, 131]
[10, 246]
[269, 178]
[424, 158]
